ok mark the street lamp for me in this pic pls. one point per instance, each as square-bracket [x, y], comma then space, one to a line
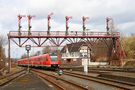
[28, 48]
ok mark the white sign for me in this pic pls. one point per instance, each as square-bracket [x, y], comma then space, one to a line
[28, 47]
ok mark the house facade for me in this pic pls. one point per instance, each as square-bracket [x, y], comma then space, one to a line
[95, 55]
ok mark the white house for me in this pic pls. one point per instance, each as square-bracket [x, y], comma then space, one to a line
[78, 52]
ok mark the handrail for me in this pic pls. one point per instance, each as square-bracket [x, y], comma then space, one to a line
[62, 33]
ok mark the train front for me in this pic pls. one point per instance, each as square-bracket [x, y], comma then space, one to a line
[55, 61]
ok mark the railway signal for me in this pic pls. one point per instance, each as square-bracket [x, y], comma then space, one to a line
[49, 27]
[109, 25]
[29, 24]
[28, 48]
[84, 27]
[67, 18]
[19, 23]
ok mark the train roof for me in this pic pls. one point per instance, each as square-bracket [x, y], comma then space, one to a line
[34, 57]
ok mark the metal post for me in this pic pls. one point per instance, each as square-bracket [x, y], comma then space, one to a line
[49, 27]
[19, 23]
[28, 48]
[28, 61]
[29, 24]
[107, 25]
[84, 27]
[9, 59]
[67, 18]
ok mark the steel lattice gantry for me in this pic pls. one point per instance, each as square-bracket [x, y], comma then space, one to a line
[57, 38]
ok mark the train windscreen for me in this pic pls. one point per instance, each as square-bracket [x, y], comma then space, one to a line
[53, 58]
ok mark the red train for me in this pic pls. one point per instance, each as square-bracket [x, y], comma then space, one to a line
[45, 60]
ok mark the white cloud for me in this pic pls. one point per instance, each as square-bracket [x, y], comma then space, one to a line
[95, 9]
[127, 25]
[122, 11]
[127, 28]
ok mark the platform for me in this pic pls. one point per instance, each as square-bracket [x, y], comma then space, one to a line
[26, 82]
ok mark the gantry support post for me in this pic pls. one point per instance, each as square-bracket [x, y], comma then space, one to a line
[117, 52]
[121, 52]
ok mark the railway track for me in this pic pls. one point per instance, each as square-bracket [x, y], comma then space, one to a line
[115, 83]
[8, 78]
[60, 83]
[116, 74]
[128, 70]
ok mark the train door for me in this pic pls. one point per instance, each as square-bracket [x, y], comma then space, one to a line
[42, 61]
[48, 60]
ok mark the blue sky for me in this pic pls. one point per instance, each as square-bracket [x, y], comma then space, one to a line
[122, 12]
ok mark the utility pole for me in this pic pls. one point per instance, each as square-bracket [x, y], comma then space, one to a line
[9, 58]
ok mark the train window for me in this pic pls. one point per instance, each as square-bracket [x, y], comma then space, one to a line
[68, 60]
[53, 58]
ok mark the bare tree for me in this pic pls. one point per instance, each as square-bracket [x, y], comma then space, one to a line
[3, 42]
[24, 56]
[47, 49]
[37, 53]
[129, 46]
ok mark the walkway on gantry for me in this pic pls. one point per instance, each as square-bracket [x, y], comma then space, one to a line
[58, 37]
[61, 34]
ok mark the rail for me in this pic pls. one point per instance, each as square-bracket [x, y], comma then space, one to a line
[62, 33]
[47, 76]
[6, 79]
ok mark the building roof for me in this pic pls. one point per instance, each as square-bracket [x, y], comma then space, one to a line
[73, 47]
